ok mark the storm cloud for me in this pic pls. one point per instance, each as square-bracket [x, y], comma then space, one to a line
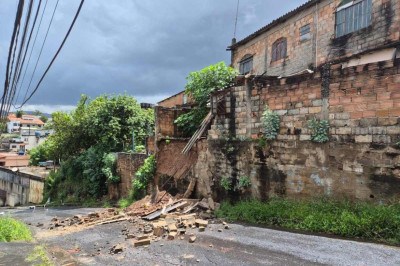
[142, 48]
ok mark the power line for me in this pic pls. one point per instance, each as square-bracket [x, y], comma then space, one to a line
[27, 48]
[16, 25]
[20, 55]
[55, 56]
[41, 50]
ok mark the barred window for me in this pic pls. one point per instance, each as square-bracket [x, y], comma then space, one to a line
[353, 15]
[246, 64]
[305, 33]
[279, 49]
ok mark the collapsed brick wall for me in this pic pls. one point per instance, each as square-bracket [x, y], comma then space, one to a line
[174, 169]
[361, 160]
[127, 165]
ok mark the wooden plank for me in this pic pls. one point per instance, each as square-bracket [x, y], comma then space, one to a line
[157, 214]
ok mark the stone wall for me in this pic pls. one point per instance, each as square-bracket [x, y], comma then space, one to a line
[127, 165]
[361, 160]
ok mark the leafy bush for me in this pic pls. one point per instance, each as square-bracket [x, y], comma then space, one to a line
[361, 220]
[271, 123]
[109, 168]
[13, 230]
[319, 130]
[143, 175]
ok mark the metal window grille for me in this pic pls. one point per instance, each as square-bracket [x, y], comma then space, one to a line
[279, 49]
[305, 33]
[354, 17]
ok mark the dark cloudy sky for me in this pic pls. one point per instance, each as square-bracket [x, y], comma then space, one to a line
[143, 48]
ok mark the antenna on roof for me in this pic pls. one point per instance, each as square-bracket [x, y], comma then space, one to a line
[236, 19]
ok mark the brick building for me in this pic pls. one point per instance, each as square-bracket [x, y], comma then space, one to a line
[318, 32]
[328, 59]
[333, 60]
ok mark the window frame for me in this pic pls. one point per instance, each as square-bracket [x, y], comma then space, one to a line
[305, 35]
[352, 17]
[247, 61]
[279, 49]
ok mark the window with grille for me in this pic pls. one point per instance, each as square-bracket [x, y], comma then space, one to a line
[246, 65]
[352, 16]
[305, 33]
[279, 49]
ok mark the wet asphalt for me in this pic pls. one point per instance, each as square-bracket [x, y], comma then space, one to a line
[239, 245]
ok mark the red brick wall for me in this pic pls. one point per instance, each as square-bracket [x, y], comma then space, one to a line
[127, 165]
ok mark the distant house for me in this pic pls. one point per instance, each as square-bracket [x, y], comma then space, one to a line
[13, 160]
[176, 100]
[15, 123]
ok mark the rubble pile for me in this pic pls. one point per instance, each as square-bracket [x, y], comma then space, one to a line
[148, 222]
[147, 205]
[93, 218]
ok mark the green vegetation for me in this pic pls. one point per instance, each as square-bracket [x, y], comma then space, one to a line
[19, 113]
[124, 203]
[242, 183]
[39, 257]
[319, 130]
[356, 220]
[83, 141]
[142, 177]
[109, 168]
[199, 87]
[271, 123]
[41, 153]
[13, 230]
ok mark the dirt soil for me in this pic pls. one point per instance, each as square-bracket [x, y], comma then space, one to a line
[107, 244]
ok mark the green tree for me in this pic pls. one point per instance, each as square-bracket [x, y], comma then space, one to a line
[199, 86]
[85, 137]
[19, 113]
[43, 118]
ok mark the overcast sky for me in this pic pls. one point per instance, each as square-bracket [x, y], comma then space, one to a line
[143, 48]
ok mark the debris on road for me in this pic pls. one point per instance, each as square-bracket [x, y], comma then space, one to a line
[149, 222]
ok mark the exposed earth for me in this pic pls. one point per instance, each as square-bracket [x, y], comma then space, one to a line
[238, 245]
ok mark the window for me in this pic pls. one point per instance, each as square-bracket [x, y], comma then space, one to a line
[305, 33]
[185, 99]
[13, 146]
[246, 64]
[279, 49]
[352, 16]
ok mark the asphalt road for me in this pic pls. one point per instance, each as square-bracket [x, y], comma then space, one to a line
[239, 245]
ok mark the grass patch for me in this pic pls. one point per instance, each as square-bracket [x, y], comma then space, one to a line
[13, 230]
[355, 220]
[39, 257]
[124, 203]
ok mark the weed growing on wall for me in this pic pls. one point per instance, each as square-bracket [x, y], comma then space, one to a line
[142, 177]
[227, 184]
[319, 130]
[271, 122]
